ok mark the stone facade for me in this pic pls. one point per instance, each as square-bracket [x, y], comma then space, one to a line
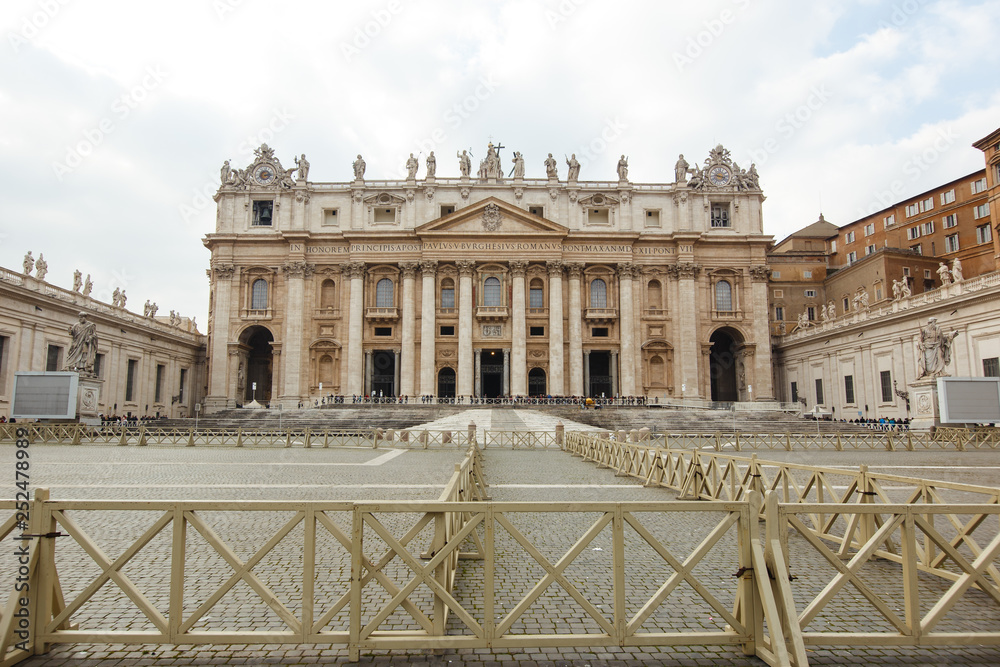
[486, 285]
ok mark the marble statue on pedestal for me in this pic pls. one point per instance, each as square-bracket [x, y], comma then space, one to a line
[83, 348]
[944, 274]
[574, 168]
[464, 164]
[431, 165]
[933, 350]
[681, 169]
[41, 267]
[359, 169]
[88, 285]
[623, 168]
[29, 263]
[551, 169]
[303, 164]
[77, 280]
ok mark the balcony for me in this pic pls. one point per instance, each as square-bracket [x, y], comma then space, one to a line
[256, 314]
[492, 313]
[655, 313]
[447, 312]
[727, 315]
[538, 312]
[601, 315]
[327, 313]
[382, 314]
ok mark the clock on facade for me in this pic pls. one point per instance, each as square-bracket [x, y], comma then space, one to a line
[264, 174]
[719, 175]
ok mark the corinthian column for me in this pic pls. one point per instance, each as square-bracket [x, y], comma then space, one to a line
[355, 271]
[408, 351]
[427, 328]
[626, 362]
[295, 275]
[556, 385]
[518, 344]
[575, 270]
[465, 269]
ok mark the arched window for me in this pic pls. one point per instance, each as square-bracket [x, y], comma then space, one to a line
[326, 370]
[723, 296]
[654, 294]
[536, 294]
[491, 292]
[447, 293]
[598, 293]
[258, 295]
[657, 375]
[383, 294]
[327, 294]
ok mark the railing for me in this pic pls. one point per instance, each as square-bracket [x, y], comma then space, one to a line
[521, 439]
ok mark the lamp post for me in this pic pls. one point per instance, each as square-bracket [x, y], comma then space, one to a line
[197, 411]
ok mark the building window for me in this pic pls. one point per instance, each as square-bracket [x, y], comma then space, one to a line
[491, 292]
[779, 313]
[848, 389]
[819, 391]
[984, 234]
[447, 293]
[723, 296]
[262, 213]
[948, 197]
[258, 295]
[779, 294]
[869, 229]
[130, 380]
[847, 304]
[919, 249]
[599, 332]
[158, 387]
[384, 216]
[981, 211]
[810, 294]
[950, 220]
[849, 237]
[889, 220]
[447, 209]
[720, 215]
[852, 257]
[807, 274]
[654, 295]
[951, 243]
[98, 365]
[870, 249]
[536, 294]
[328, 294]
[448, 330]
[795, 392]
[652, 218]
[182, 385]
[927, 273]
[833, 245]
[929, 227]
[598, 293]
[536, 331]
[991, 367]
[53, 358]
[775, 275]
[385, 332]
[885, 378]
[384, 293]
[913, 232]
[537, 210]
[598, 216]
[979, 186]
[811, 313]
[331, 217]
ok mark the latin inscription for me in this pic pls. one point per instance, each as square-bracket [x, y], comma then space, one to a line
[474, 246]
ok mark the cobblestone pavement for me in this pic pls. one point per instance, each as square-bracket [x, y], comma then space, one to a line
[103, 472]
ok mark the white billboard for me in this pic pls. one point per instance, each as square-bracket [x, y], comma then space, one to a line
[969, 400]
[44, 395]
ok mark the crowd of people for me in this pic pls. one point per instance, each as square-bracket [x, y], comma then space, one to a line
[583, 402]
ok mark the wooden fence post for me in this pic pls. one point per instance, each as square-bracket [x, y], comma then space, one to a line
[190, 437]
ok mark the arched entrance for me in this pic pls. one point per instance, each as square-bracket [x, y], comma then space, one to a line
[723, 365]
[446, 383]
[260, 362]
[383, 373]
[599, 374]
[536, 382]
[491, 373]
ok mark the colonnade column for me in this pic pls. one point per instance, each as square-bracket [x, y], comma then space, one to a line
[397, 367]
[369, 372]
[406, 366]
[555, 380]
[355, 271]
[518, 343]
[295, 274]
[576, 367]
[478, 383]
[763, 384]
[586, 372]
[614, 374]
[626, 368]
[506, 373]
[686, 326]
[428, 329]
[220, 390]
[465, 369]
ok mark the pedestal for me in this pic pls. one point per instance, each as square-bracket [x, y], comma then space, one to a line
[924, 405]
[88, 397]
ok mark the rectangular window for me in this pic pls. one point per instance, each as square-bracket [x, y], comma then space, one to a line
[795, 392]
[779, 313]
[979, 186]
[811, 313]
[99, 365]
[981, 211]
[775, 275]
[158, 388]
[133, 364]
[869, 229]
[833, 245]
[848, 388]
[384, 216]
[447, 297]
[383, 331]
[847, 304]
[720, 215]
[951, 243]
[537, 210]
[984, 234]
[929, 227]
[779, 294]
[182, 385]
[536, 331]
[331, 217]
[810, 294]
[807, 274]
[262, 213]
[927, 273]
[849, 237]
[913, 232]
[927, 205]
[852, 257]
[447, 209]
[652, 218]
[819, 391]
[870, 249]
[948, 197]
[906, 270]
[536, 297]
[598, 216]
[53, 358]
[886, 380]
[991, 367]
[447, 330]
[599, 332]
[912, 210]
[950, 220]
[889, 220]
[919, 249]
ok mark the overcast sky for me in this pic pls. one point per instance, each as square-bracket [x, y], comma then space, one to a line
[116, 115]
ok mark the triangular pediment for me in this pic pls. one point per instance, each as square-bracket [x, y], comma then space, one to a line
[491, 217]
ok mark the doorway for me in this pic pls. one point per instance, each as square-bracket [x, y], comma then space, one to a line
[383, 373]
[491, 373]
[600, 374]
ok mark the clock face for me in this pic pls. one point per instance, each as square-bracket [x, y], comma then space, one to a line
[264, 174]
[719, 176]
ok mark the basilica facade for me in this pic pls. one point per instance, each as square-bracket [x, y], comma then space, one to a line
[488, 283]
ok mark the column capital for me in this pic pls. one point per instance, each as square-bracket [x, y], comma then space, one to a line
[465, 267]
[354, 270]
[429, 266]
[409, 268]
[555, 267]
[683, 270]
[706, 349]
[760, 274]
[223, 271]
[298, 269]
[574, 269]
[518, 267]
[626, 270]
